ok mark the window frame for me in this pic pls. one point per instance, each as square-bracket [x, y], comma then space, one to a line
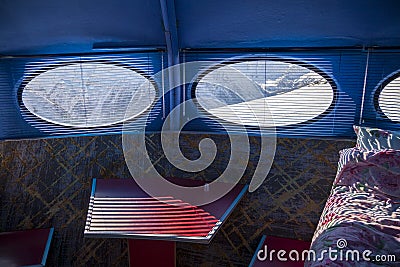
[378, 90]
[298, 62]
[49, 128]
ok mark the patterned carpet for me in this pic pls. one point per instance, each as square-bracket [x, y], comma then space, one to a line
[47, 182]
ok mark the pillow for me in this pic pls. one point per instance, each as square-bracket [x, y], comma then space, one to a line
[376, 139]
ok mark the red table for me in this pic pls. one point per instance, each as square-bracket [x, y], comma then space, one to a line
[25, 248]
[119, 208]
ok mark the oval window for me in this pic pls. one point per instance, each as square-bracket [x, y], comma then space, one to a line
[389, 100]
[245, 92]
[88, 94]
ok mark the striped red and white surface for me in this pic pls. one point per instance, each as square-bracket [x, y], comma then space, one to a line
[119, 208]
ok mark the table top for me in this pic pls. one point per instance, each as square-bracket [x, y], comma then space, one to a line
[119, 208]
[25, 248]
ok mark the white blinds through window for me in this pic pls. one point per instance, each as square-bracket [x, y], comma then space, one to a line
[88, 94]
[382, 95]
[389, 100]
[42, 96]
[289, 92]
[307, 94]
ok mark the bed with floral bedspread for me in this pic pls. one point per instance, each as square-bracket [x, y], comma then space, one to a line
[360, 224]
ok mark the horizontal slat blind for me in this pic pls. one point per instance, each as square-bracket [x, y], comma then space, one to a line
[342, 70]
[17, 72]
[382, 101]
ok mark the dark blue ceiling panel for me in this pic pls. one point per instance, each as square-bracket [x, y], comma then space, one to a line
[287, 23]
[48, 26]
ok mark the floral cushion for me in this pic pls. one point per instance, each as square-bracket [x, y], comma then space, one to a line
[376, 139]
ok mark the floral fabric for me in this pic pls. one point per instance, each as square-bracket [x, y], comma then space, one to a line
[363, 209]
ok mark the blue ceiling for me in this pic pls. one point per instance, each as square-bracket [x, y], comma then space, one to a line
[260, 23]
[48, 26]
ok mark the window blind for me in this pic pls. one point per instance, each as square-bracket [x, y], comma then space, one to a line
[45, 96]
[382, 101]
[301, 83]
